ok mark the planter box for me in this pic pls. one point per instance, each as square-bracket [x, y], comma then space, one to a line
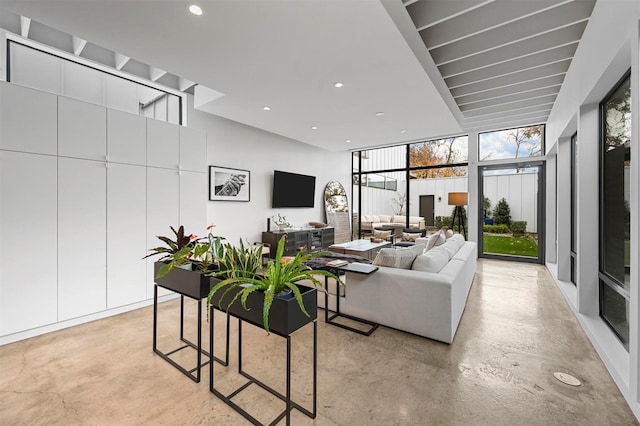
[285, 315]
[188, 283]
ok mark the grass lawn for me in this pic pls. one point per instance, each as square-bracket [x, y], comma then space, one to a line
[505, 244]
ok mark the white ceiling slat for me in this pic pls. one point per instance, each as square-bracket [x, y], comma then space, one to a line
[529, 94]
[561, 37]
[511, 106]
[536, 109]
[507, 122]
[565, 15]
[155, 73]
[530, 117]
[120, 60]
[517, 77]
[483, 19]
[555, 80]
[427, 13]
[513, 66]
[78, 45]
[25, 24]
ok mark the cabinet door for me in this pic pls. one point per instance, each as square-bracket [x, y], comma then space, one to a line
[82, 130]
[162, 212]
[162, 144]
[193, 202]
[28, 246]
[126, 234]
[28, 120]
[126, 138]
[81, 237]
[193, 150]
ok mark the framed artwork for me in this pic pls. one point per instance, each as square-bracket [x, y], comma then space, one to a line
[227, 184]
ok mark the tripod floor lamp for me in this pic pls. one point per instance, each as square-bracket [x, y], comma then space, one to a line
[459, 200]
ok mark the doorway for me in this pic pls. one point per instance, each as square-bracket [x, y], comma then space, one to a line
[511, 206]
[427, 209]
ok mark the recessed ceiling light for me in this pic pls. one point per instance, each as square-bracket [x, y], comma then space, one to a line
[266, 109]
[379, 114]
[338, 84]
[348, 141]
[314, 128]
[195, 9]
[403, 131]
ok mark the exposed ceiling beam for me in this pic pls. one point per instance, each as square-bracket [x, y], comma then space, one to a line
[155, 73]
[78, 45]
[120, 60]
[25, 24]
[184, 84]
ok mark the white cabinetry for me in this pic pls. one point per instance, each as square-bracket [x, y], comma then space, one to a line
[126, 138]
[162, 144]
[82, 130]
[162, 212]
[29, 120]
[81, 237]
[126, 234]
[28, 226]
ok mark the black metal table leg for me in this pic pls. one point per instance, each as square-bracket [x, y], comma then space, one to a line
[329, 319]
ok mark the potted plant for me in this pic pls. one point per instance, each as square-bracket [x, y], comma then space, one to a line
[261, 290]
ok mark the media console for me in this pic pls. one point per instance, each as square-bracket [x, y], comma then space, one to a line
[310, 240]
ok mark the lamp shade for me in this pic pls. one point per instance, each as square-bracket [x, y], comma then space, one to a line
[458, 198]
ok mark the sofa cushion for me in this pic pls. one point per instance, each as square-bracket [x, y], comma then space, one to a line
[432, 261]
[384, 218]
[415, 219]
[451, 247]
[407, 236]
[381, 234]
[459, 238]
[396, 258]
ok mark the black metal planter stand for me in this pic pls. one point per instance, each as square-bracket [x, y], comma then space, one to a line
[290, 405]
[194, 286]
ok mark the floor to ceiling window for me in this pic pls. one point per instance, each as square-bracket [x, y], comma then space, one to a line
[511, 194]
[409, 183]
[574, 208]
[615, 214]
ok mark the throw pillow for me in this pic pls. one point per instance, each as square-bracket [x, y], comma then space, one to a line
[448, 234]
[395, 258]
[381, 234]
[451, 247]
[432, 261]
[431, 242]
[459, 238]
[406, 236]
[441, 238]
[318, 224]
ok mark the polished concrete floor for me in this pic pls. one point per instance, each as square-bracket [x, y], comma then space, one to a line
[515, 333]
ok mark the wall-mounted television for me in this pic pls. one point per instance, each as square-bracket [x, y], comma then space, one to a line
[293, 190]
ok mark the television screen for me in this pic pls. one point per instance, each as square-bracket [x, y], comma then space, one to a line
[293, 190]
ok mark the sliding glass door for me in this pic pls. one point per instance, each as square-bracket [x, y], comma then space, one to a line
[511, 212]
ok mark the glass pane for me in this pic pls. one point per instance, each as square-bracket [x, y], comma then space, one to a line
[439, 152]
[511, 143]
[380, 202]
[394, 157]
[615, 196]
[615, 310]
[510, 209]
[429, 189]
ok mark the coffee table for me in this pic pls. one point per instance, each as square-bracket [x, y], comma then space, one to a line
[364, 248]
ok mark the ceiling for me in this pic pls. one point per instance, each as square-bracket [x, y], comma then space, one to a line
[433, 68]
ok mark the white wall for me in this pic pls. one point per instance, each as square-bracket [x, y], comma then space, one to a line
[234, 145]
[609, 47]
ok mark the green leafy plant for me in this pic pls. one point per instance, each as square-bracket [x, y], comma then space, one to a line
[502, 213]
[519, 226]
[172, 248]
[496, 229]
[278, 277]
[236, 261]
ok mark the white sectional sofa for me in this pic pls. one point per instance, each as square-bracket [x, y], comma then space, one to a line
[370, 222]
[427, 300]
